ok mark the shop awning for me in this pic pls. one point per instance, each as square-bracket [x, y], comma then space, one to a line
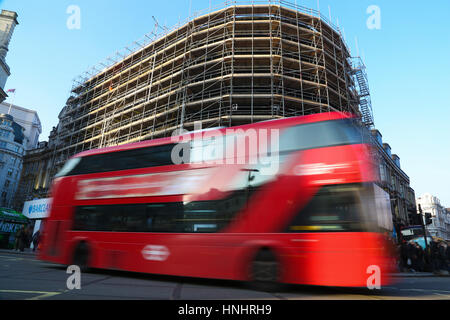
[12, 216]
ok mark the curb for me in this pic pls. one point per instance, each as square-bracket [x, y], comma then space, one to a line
[418, 275]
[26, 252]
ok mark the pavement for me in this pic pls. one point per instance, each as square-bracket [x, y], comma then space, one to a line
[27, 251]
[420, 274]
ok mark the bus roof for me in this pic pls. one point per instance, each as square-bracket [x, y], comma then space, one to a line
[284, 122]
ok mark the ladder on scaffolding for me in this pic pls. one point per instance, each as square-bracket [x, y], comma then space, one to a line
[365, 102]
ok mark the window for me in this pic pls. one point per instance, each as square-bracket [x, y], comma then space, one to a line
[122, 160]
[333, 209]
[129, 218]
[7, 183]
[173, 217]
[382, 173]
[322, 134]
[4, 133]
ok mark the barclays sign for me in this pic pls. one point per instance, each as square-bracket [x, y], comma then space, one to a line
[37, 209]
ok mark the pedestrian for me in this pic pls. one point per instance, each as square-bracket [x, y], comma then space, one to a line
[403, 256]
[412, 258]
[442, 256]
[398, 256]
[17, 238]
[435, 255]
[36, 239]
[419, 257]
[29, 236]
[23, 239]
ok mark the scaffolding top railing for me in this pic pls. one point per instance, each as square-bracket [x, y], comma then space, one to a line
[357, 63]
[161, 32]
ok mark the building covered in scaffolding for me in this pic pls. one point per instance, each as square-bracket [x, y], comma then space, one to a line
[231, 65]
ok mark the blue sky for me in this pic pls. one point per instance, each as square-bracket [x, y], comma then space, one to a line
[407, 63]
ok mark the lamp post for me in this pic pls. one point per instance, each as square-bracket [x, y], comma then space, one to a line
[250, 179]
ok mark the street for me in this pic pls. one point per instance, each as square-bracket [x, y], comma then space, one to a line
[23, 277]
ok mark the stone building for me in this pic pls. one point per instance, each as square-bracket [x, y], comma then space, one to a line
[12, 149]
[440, 216]
[8, 22]
[395, 182]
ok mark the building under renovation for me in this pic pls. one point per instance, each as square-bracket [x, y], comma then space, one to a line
[232, 65]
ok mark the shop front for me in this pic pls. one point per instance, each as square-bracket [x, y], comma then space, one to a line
[10, 223]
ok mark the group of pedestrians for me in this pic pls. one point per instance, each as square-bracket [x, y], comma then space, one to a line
[440, 256]
[25, 237]
[415, 258]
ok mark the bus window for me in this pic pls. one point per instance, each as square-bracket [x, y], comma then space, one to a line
[164, 217]
[173, 217]
[333, 209]
[321, 134]
[120, 160]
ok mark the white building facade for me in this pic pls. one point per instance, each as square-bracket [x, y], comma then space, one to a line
[12, 150]
[28, 119]
[441, 217]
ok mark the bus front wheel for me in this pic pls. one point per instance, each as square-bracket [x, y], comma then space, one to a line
[265, 271]
[81, 256]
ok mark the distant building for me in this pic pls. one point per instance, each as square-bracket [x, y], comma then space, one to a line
[441, 217]
[395, 182]
[8, 22]
[37, 173]
[11, 154]
[28, 119]
[447, 222]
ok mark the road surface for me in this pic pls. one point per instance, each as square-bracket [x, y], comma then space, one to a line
[23, 277]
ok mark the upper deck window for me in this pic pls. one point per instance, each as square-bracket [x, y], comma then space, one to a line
[322, 134]
[118, 161]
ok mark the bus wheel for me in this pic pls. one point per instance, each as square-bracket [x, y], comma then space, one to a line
[265, 272]
[81, 256]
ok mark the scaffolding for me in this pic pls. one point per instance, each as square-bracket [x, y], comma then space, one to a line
[362, 87]
[235, 64]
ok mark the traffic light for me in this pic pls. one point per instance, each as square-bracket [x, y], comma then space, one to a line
[415, 219]
[428, 219]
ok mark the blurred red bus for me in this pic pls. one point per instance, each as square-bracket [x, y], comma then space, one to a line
[303, 213]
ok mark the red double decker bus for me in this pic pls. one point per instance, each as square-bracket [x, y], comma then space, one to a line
[290, 201]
